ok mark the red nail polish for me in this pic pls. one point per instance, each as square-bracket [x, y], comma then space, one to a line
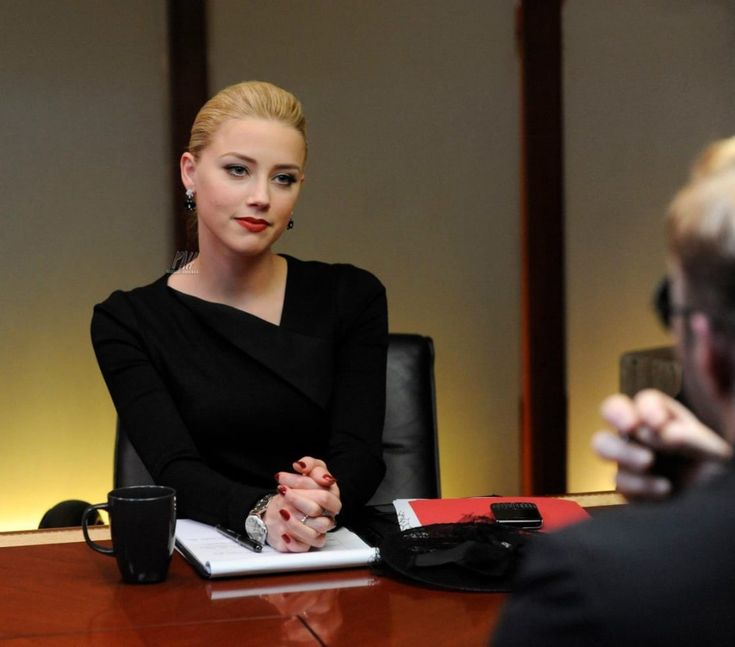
[329, 478]
[286, 538]
[282, 490]
[301, 464]
[277, 476]
[285, 514]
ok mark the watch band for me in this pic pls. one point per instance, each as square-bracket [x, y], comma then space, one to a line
[260, 505]
[255, 527]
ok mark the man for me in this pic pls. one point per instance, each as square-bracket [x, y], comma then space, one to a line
[664, 573]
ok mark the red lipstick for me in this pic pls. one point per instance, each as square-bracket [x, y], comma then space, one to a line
[254, 225]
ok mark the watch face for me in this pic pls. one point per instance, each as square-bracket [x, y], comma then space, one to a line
[256, 529]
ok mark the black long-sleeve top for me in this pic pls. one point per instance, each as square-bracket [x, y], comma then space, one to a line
[216, 400]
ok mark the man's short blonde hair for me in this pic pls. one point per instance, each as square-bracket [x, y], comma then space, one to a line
[701, 231]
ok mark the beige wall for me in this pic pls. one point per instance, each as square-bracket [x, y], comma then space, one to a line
[84, 211]
[414, 175]
[647, 84]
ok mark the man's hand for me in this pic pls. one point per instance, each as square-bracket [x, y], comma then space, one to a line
[660, 446]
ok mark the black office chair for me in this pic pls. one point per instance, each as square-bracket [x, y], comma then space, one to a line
[68, 513]
[128, 468]
[409, 433]
[410, 447]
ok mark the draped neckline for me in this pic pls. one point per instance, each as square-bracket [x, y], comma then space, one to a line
[284, 310]
[282, 348]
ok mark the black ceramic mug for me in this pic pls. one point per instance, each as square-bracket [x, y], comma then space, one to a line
[142, 526]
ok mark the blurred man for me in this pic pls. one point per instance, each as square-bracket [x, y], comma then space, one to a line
[659, 574]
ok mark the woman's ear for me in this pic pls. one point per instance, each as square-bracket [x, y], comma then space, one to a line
[188, 166]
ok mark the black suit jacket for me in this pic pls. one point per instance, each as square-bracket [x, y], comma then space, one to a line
[216, 401]
[654, 574]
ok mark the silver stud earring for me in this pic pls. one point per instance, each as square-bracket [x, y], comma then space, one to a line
[189, 201]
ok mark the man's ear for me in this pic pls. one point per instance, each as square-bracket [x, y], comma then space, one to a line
[711, 356]
[188, 167]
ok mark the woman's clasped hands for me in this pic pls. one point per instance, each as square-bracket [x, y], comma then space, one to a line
[304, 510]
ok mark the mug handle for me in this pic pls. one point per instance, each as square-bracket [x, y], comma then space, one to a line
[85, 530]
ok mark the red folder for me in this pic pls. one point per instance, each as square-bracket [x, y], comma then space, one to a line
[556, 513]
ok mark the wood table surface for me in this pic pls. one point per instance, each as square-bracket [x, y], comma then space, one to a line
[66, 594]
[54, 590]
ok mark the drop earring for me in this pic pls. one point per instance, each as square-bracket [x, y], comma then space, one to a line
[290, 223]
[189, 202]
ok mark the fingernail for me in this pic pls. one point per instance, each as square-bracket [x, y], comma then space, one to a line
[329, 478]
[285, 514]
[277, 476]
[281, 490]
[301, 464]
[286, 538]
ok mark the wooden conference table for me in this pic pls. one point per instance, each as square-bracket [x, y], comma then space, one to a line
[55, 591]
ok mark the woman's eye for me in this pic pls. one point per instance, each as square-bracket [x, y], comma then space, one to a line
[237, 170]
[286, 179]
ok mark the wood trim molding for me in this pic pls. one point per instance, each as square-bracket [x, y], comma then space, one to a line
[188, 90]
[544, 403]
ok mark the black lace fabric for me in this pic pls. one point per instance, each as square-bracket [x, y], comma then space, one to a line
[473, 556]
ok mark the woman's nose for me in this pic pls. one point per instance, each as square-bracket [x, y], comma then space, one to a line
[259, 195]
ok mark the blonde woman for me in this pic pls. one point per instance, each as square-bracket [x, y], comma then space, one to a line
[252, 382]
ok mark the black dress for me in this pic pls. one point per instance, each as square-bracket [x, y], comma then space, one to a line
[216, 401]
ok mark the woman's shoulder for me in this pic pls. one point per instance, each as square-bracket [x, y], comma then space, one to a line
[122, 304]
[338, 293]
[337, 276]
[152, 290]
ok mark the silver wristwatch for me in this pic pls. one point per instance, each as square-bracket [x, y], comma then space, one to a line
[255, 527]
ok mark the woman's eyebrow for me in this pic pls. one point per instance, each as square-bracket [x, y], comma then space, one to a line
[250, 160]
[244, 158]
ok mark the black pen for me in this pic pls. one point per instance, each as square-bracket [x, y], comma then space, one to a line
[243, 540]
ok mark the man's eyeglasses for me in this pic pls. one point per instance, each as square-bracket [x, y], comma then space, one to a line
[663, 306]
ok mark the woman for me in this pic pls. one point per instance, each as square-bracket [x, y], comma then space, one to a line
[245, 364]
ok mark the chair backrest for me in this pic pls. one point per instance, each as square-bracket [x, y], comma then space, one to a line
[409, 435]
[410, 446]
[650, 368]
[129, 468]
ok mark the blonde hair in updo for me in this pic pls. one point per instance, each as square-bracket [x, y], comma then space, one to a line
[257, 99]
